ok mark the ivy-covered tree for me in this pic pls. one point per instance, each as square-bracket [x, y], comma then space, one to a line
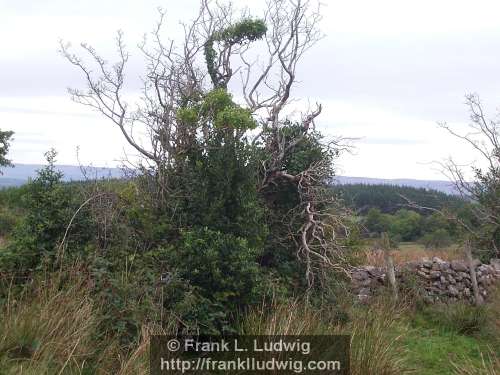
[214, 157]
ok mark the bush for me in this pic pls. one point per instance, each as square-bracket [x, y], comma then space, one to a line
[49, 206]
[127, 294]
[436, 239]
[55, 326]
[377, 222]
[406, 224]
[218, 274]
[8, 220]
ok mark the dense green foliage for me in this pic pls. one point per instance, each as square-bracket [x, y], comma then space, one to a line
[218, 176]
[48, 206]
[198, 273]
[57, 327]
[217, 227]
[246, 30]
[219, 276]
[387, 208]
[281, 199]
[433, 231]
[196, 236]
[436, 239]
[222, 243]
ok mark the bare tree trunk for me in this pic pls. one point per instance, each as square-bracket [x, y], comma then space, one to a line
[478, 299]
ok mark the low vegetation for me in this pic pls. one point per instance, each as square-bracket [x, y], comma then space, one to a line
[58, 326]
[85, 282]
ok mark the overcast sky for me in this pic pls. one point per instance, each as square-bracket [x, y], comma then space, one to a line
[386, 73]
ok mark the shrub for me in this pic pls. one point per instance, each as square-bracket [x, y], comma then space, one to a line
[49, 205]
[128, 289]
[437, 239]
[406, 224]
[218, 273]
[55, 326]
[8, 220]
[377, 222]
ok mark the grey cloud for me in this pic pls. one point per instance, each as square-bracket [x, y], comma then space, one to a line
[417, 77]
[51, 75]
[77, 7]
[422, 77]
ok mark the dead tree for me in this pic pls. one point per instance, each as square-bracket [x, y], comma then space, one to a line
[484, 189]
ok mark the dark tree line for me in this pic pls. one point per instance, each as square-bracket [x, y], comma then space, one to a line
[391, 198]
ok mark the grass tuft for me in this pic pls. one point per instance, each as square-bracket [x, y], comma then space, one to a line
[489, 365]
[375, 348]
[49, 329]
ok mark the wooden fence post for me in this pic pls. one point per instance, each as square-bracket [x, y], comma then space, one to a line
[389, 263]
[478, 299]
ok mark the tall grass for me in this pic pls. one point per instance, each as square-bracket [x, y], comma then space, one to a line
[54, 325]
[53, 328]
[460, 317]
[48, 329]
[408, 252]
[490, 365]
[375, 349]
[377, 341]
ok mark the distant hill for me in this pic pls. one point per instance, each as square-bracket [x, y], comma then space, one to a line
[443, 186]
[21, 173]
[8, 182]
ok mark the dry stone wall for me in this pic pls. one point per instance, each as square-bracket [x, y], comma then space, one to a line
[436, 280]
